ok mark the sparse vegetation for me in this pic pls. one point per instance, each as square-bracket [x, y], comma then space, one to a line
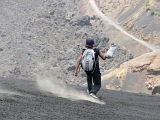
[151, 8]
[147, 2]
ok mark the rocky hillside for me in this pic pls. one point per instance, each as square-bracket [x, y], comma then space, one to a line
[139, 17]
[137, 75]
[44, 38]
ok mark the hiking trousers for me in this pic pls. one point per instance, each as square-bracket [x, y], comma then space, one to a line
[94, 83]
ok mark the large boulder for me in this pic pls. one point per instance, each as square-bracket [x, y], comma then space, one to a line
[85, 21]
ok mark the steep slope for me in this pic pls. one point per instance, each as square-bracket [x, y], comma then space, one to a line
[24, 99]
[44, 38]
[141, 17]
[111, 22]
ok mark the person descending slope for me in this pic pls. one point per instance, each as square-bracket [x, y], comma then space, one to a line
[89, 61]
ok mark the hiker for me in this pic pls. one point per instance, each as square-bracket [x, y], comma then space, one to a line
[93, 74]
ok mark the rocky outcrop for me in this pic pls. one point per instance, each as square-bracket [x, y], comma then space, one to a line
[141, 74]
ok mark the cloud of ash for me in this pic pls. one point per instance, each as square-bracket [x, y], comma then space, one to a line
[59, 88]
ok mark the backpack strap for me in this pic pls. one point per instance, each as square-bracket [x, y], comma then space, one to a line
[95, 65]
[96, 60]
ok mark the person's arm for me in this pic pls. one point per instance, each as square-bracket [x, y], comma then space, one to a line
[103, 55]
[77, 65]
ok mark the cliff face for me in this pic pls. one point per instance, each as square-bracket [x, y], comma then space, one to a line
[140, 17]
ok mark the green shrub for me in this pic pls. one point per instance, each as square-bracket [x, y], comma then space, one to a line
[147, 2]
[151, 8]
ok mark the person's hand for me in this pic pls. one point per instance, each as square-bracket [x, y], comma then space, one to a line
[76, 73]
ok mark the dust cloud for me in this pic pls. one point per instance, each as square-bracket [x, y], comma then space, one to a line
[61, 89]
[4, 91]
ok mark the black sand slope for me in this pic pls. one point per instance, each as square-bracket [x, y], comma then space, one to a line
[23, 99]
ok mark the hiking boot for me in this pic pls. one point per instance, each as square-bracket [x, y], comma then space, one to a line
[93, 95]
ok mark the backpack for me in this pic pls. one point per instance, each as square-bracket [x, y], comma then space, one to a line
[88, 60]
